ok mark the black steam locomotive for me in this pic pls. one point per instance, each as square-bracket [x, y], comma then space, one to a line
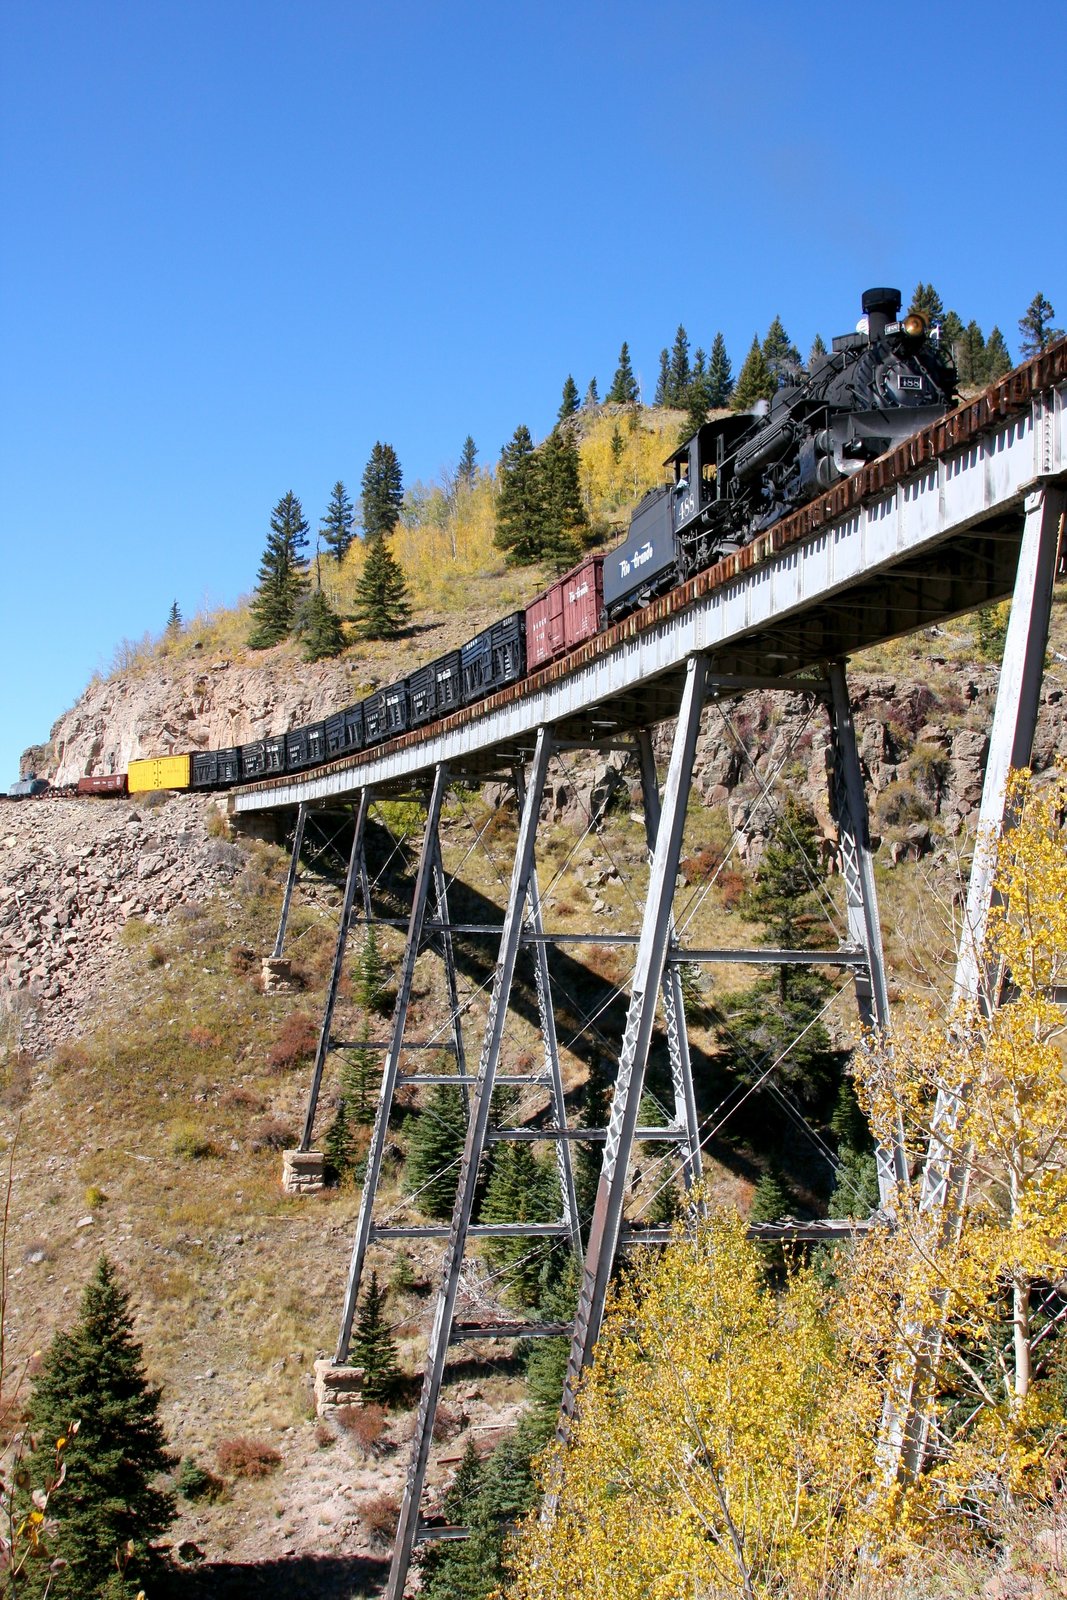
[742, 473]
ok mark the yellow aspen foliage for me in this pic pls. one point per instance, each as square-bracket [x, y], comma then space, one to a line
[720, 1441]
[613, 478]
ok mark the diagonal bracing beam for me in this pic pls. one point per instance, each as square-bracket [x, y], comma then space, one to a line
[473, 1148]
[290, 880]
[391, 1067]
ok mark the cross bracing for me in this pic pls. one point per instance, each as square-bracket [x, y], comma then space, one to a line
[943, 541]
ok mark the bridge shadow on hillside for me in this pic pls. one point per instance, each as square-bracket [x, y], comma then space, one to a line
[303, 1577]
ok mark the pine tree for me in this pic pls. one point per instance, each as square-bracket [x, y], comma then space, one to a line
[623, 391]
[971, 355]
[371, 977]
[94, 1375]
[696, 408]
[720, 374]
[519, 505]
[373, 1347]
[382, 490]
[928, 303]
[445, 1569]
[337, 1147]
[817, 351]
[1035, 327]
[357, 1078]
[618, 445]
[952, 331]
[997, 359]
[319, 628]
[569, 403]
[521, 1188]
[592, 396]
[382, 606]
[336, 526]
[771, 1200]
[663, 381]
[778, 349]
[282, 580]
[755, 380]
[678, 373]
[466, 470]
[563, 519]
[174, 619]
[787, 880]
[436, 1143]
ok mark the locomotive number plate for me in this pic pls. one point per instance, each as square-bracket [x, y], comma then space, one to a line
[907, 381]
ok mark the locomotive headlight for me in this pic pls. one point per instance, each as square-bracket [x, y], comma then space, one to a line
[914, 325]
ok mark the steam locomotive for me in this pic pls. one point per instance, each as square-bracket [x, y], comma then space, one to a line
[730, 481]
[740, 474]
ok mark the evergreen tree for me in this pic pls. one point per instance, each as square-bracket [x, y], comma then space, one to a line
[337, 1147]
[592, 396]
[383, 492]
[997, 358]
[696, 408]
[319, 628]
[952, 331]
[771, 1200]
[755, 380]
[466, 470]
[1035, 327]
[663, 381]
[435, 1146]
[519, 501]
[445, 1568]
[700, 363]
[618, 445]
[569, 404]
[856, 1187]
[357, 1078]
[971, 355]
[678, 373]
[174, 619]
[817, 351]
[94, 1375]
[374, 1348]
[382, 606]
[282, 580]
[521, 1188]
[336, 526]
[371, 990]
[787, 878]
[928, 303]
[778, 349]
[623, 391]
[563, 519]
[720, 374]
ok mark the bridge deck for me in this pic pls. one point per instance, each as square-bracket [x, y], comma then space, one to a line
[928, 532]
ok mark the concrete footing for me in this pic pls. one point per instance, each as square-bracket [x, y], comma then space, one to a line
[336, 1387]
[277, 975]
[303, 1171]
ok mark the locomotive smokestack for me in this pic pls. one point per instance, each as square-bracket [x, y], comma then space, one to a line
[879, 307]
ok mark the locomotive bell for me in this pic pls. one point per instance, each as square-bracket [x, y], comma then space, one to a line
[879, 307]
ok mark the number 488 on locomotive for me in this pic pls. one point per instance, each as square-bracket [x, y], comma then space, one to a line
[740, 474]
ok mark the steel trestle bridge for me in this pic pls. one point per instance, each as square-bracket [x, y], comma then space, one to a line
[964, 515]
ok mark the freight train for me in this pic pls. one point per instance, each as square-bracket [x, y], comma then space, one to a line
[733, 479]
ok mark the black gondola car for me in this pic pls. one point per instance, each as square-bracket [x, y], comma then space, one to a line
[305, 747]
[344, 731]
[435, 690]
[261, 758]
[215, 769]
[495, 657]
[385, 713]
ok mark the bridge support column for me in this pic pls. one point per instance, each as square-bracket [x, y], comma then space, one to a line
[637, 1037]
[474, 1146]
[906, 1426]
[428, 863]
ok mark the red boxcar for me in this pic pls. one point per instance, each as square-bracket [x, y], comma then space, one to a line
[103, 783]
[566, 614]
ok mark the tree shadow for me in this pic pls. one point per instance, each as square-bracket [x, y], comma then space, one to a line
[303, 1577]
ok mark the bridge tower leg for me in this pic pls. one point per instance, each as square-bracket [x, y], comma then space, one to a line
[906, 1427]
[637, 1036]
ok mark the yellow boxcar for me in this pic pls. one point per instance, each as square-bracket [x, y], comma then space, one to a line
[161, 772]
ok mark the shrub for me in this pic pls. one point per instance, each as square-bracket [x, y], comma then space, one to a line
[203, 1038]
[94, 1197]
[195, 1482]
[365, 1426]
[243, 960]
[901, 804]
[242, 1457]
[272, 1133]
[380, 1513]
[296, 1042]
[187, 1140]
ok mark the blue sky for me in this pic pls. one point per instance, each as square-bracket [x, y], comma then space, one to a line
[243, 241]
